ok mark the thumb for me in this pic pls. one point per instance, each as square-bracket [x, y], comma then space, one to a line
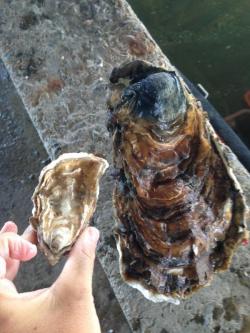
[76, 277]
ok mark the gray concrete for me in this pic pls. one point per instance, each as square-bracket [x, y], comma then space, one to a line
[22, 155]
[59, 55]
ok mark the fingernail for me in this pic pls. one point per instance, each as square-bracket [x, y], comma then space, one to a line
[32, 249]
[28, 230]
[93, 234]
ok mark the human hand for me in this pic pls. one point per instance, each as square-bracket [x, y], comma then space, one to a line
[14, 248]
[66, 306]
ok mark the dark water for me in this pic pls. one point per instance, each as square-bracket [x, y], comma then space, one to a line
[209, 41]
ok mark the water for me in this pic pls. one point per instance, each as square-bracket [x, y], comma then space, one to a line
[209, 41]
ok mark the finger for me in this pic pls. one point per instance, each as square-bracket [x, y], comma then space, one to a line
[21, 249]
[30, 235]
[2, 268]
[15, 247]
[9, 227]
[12, 267]
[76, 277]
[7, 287]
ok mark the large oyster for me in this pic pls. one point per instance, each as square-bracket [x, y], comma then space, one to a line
[65, 200]
[180, 210]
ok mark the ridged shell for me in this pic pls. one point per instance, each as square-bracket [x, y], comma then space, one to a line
[180, 210]
[65, 200]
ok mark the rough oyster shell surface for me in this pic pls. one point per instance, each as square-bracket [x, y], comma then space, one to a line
[180, 210]
[65, 200]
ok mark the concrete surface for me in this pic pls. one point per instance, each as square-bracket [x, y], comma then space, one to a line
[59, 55]
[22, 155]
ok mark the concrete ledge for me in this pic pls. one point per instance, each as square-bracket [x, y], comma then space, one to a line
[59, 55]
[22, 155]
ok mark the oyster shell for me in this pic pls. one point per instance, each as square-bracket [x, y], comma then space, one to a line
[65, 200]
[180, 210]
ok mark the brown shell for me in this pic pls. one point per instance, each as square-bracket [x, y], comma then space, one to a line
[65, 200]
[180, 210]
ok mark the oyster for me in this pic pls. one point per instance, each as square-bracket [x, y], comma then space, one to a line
[180, 210]
[65, 200]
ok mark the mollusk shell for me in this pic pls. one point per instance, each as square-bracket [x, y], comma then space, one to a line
[65, 200]
[180, 210]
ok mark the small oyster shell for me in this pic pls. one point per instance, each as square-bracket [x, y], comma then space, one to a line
[65, 200]
[180, 210]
